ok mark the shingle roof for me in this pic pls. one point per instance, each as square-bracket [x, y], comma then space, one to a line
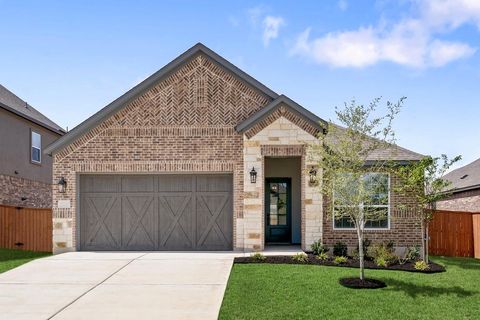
[9, 101]
[394, 152]
[465, 178]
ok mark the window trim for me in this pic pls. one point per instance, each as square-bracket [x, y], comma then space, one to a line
[375, 206]
[31, 147]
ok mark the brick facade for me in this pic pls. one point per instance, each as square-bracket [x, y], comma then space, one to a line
[467, 201]
[35, 194]
[404, 231]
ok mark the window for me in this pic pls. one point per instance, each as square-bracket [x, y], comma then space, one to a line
[36, 151]
[376, 208]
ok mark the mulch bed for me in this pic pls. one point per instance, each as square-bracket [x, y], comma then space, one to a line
[351, 263]
[366, 283]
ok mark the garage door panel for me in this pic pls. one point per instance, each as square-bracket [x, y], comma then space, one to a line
[156, 212]
[176, 227]
[139, 220]
[213, 183]
[176, 183]
[99, 184]
[100, 221]
[141, 183]
[212, 231]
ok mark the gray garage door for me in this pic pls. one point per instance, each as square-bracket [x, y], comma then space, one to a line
[156, 212]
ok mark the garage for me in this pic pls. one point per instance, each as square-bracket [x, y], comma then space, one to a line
[156, 212]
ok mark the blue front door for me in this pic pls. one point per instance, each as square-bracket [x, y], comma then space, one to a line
[278, 210]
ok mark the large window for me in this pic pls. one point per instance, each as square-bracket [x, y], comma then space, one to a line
[376, 207]
[36, 149]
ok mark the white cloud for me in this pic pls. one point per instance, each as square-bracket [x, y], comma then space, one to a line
[342, 5]
[411, 42]
[271, 26]
[255, 14]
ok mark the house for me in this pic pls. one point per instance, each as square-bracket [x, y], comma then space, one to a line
[464, 189]
[201, 156]
[25, 174]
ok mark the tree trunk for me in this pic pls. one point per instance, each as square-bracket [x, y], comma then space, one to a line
[361, 254]
[426, 242]
[423, 240]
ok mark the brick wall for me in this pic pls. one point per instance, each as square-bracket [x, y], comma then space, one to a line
[36, 194]
[185, 123]
[405, 227]
[467, 201]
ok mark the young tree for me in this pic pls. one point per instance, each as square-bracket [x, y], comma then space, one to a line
[351, 158]
[424, 181]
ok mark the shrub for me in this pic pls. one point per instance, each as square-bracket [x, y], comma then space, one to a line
[381, 262]
[300, 257]
[413, 253]
[318, 247]
[257, 256]
[322, 256]
[340, 249]
[340, 259]
[421, 265]
[366, 245]
[382, 254]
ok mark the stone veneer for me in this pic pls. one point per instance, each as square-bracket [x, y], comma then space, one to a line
[36, 194]
[281, 138]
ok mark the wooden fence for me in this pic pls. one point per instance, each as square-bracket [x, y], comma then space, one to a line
[26, 228]
[454, 233]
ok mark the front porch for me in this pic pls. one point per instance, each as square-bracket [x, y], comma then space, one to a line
[278, 152]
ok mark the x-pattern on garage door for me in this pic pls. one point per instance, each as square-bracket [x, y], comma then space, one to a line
[156, 212]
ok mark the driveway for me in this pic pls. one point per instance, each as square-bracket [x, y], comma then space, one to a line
[117, 285]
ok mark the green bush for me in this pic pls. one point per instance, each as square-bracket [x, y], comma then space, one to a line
[257, 256]
[340, 249]
[300, 257]
[322, 256]
[413, 253]
[340, 259]
[318, 247]
[383, 254]
[421, 265]
[381, 262]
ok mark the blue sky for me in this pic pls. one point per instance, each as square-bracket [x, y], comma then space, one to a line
[71, 58]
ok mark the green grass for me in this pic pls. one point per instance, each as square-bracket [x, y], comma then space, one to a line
[11, 258]
[267, 291]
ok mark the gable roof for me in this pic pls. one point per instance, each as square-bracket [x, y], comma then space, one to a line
[465, 178]
[10, 102]
[292, 106]
[136, 91]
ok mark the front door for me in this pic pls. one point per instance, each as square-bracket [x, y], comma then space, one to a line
[278, 210]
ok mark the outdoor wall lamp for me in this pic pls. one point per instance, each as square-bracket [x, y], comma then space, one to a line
[62, 185]
[313, 176]
[253, 175]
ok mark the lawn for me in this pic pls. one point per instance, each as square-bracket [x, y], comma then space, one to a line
[267, 291]
[10, 258]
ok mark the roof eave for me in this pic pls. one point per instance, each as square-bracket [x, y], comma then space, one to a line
[24, 116]
[314, 120]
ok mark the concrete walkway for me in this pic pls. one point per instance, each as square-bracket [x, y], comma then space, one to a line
[117, 285]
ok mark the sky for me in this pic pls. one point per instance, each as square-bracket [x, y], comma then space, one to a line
[71, 58]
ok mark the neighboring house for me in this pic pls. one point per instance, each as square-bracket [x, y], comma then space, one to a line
[201, 156]
[25, 173]
[465, 189]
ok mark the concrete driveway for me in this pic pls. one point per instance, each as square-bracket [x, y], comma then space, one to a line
[117, 285]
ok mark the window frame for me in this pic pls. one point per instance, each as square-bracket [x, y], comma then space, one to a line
[373, 206]
[31, 147]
